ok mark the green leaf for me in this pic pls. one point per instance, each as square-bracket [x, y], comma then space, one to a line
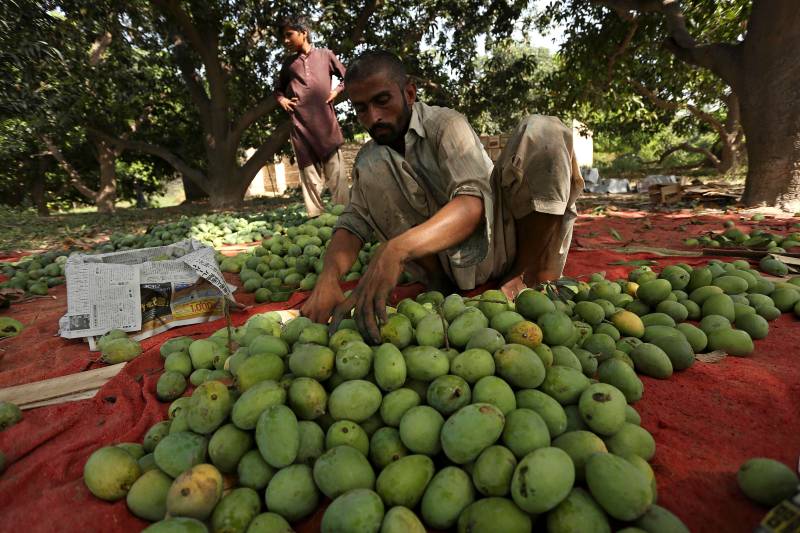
[635, 262]
[614, 233]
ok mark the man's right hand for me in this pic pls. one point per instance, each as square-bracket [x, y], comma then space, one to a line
[288, 104]
[323, 300]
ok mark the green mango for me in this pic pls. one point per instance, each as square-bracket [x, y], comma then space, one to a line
[110, 472]
[524, 432]
[449, 492]
[227, 446]
[564, 384]
[735, 342]
[341, 469]
[470, 430]
[678, 350]
[178, 524]
[257, 368]
[548, 408]
[236, 510]
[766, 481]
[396, 403]
[618, 486]
[447, 394]
[580, 445]
[385, 446]
[403, 482]
[147, 497]
[425, 363]
[473, 364]
[390, 367]
[278, 436]
[420, 429]
[578, 512]
[249, 406]
[632, 439]
[542, 480]
[557, 328]
[651, 360]
[356, 511]
[401, 520]
[210, 405]
[493, 470]
[178, 452]
[292, 493]
[307, 398]
[397, 330]
[602, 407]
[312, 361]
[430, 330]
[495, 391]
[491, 515]
[532, 304]
[195, 492]
[354, 400]
[519, 366]
[157, 431]
[253, 471]
[487, 339]
[120, 351]
[615, 372]
[465, 325]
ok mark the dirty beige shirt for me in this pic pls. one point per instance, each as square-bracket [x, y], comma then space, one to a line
[444, 158]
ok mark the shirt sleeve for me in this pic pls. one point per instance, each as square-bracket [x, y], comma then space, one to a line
[467, 171]
[282, 81]
[356, 215]
[338, 70]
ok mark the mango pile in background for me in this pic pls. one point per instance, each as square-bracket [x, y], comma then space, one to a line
[474, 414]
[733, 237]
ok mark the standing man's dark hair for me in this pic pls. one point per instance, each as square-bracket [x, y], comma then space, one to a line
[374, 61]
[296, 23]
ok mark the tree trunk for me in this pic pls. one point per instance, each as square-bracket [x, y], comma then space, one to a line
[225, 174]
[192, 191]
[770, 76]
[107, 193]
[38, 187]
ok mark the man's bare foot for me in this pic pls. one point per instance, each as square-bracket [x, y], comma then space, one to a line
[512, 286]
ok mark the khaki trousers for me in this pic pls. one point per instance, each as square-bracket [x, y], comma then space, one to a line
[314, 178]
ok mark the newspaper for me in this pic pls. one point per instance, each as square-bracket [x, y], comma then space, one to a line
[145, 291]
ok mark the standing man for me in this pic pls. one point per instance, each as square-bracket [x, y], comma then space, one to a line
[304, 91]
[426, 188]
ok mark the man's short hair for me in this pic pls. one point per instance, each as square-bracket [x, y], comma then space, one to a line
[374, 61]
[297, 23]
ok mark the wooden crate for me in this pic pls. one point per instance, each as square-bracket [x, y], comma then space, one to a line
[494, 144]
[666, 194]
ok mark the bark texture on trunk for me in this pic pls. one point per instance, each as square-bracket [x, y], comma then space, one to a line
[770, 106]
[107, 193]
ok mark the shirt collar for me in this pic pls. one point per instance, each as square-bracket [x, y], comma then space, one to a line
[415, 124]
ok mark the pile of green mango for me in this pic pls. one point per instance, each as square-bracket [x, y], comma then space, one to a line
[214, 229]
[291, 260]
[35, 273]
[472, 415]
[733, 237]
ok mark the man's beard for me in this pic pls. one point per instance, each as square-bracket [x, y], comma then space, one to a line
[387, 134]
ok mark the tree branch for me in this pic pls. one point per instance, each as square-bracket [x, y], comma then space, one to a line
[623, 47]
[686, 147]
[159, 151]
[357, 35]
[206, 46]
[250, 116]
[74, 178]
[722, 59]
[266, 151]
[670, 105]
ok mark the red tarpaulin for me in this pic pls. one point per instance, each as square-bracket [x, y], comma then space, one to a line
[706, 420]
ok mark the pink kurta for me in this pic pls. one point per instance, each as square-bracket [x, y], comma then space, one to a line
[316, 133]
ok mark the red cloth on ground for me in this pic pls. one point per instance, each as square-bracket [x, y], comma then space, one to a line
[706, 420]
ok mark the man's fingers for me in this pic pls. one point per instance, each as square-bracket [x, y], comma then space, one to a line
[340, 312]
[380, 309]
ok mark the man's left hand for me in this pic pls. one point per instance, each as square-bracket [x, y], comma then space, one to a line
[373, 291]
